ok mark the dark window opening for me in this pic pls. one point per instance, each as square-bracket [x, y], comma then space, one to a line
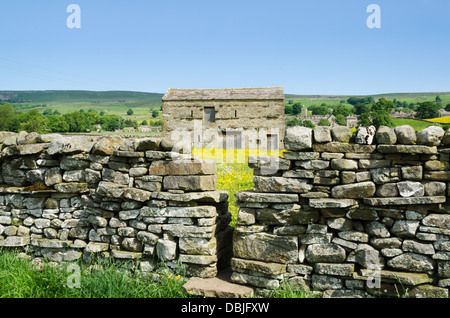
[209, 114]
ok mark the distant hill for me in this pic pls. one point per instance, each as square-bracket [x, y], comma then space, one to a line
[111, 102]
[409, 97]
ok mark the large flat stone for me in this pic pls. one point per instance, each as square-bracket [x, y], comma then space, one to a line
[410, 149]
[266, 247]
[190, 183]
[217, 287]
[68, 145]
[251, 196]
[182, 167]
[409, 279]
[206, 196]
[180, 212]
[344, 147]
[280, 184]
[331, 203]
[404, 201]
[354, 191]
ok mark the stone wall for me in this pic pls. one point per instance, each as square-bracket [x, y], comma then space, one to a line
[349, 215]
[239, 115]
[70, 198]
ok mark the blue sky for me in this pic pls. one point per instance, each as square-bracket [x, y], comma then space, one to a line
[308, 47]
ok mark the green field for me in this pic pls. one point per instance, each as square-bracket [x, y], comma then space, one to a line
[308, 100]
[119, 102]
[111, 102]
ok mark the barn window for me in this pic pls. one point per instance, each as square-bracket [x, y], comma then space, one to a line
[209, 114]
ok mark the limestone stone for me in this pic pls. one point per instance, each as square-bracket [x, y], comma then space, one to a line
[322, 134]
[413, 173]
[73, 144]
[437, 165]
[405, 135]
[190, 183]
[251, 196]
[332, 203]
[365, 135]
[408, 149]
[32, 149]
[385, 175]
[354, 191]
[325, 253]
[136, 194]
[369, 258]
[342, 147]
[412, 262]
[344, 164]
[269, 164]
[405, 228]
[410, 189]
[377, 229]
[298, 138]
[166, 249]
[408, 279]
[404, 201]
[437, 220]
[280, 184]
[180, 212]
[266, 247]
[182, 167]
[430, 136]
[146, 144]
[345, 270]
[387, 190]
[417, 247]
[341, 133]
[386, 135]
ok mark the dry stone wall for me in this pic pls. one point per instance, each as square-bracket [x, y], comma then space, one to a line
[348, 215]
[80, 197]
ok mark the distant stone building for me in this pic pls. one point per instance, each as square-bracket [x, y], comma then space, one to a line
[239, 118]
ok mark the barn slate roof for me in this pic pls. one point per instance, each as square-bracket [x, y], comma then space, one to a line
[259, 93]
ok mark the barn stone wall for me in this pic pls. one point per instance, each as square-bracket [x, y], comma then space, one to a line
[349, 217]
[71, 198]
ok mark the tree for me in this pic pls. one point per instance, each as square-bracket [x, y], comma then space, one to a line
[288, 110]
[340, 120]
[130, 112]
[379, 115]
[427, 110]
[438, 99]
[323, 122]
[308, 123]
[57, 124]
[294, 122]
[6, 116]
[361, 108]
[36, 123]
[320, 110]
[447, 108]
[144, 122]
[155, 113]
[297, 108]
[344, 110]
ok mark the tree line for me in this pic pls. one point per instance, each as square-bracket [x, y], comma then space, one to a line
[52, 121]
[369, 111]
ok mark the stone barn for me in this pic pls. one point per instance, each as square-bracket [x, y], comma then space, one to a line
[240, 117]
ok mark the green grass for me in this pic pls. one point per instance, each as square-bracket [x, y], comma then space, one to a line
[20, 279]
[111, 102]
[416, 124]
